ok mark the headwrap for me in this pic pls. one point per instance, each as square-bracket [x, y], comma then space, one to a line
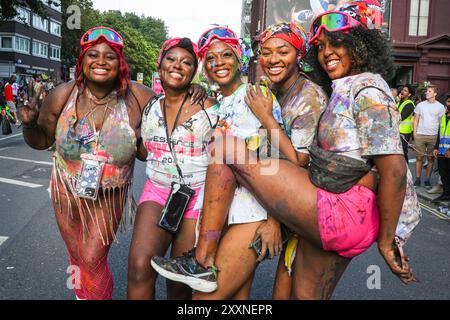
[184, 43]
[290, 32]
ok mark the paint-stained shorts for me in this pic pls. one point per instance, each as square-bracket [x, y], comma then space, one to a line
[349, 221]
[160, 195]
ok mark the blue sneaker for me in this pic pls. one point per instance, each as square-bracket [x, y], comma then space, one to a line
[187, 270]
[427, 183]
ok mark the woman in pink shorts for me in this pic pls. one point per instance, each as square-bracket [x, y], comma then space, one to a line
[188, 127]
[357, 189]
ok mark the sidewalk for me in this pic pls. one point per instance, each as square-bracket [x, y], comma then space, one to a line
[422, 191]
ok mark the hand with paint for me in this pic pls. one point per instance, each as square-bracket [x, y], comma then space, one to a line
[270, 234]
[198, 94]
[260, 103]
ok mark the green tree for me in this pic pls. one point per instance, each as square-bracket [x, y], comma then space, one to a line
[8, 8]
[71, 37]
[140, 54]
[143, 36]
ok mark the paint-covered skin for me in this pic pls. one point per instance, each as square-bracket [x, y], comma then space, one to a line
[238, 120]
[116, 141]
[367, 127]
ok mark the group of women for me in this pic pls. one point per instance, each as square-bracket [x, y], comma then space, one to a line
[332, 135]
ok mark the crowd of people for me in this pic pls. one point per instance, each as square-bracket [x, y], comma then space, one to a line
[423, 129]
[310, 168]
[13, 88]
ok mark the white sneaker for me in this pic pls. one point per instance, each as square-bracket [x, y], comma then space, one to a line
[436, 189]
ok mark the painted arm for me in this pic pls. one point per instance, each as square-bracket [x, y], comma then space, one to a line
[391, 194]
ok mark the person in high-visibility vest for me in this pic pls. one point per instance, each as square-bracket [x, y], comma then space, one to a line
[442, 151]
[406, 107]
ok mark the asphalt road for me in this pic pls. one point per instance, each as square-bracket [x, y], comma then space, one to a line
[33, 260]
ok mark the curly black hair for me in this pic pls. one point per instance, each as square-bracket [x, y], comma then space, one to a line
[369, 49]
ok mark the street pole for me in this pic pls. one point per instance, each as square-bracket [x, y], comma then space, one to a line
[257, 25]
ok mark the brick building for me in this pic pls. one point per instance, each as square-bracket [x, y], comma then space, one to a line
[30, 44]
[419, 31]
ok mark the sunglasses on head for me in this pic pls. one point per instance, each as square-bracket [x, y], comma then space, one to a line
[109, 34]
[220, 33]
[332, 22]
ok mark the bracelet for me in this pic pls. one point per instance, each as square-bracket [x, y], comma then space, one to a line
[30, 126]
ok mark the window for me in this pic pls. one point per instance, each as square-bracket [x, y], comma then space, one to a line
[40, 23]
[40, 49]
[55, 53]
[55, 28]
[6, 42]
[418, 18]
[23, 15]
[22, 44]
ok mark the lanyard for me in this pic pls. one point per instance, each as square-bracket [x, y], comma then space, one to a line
[169, 137]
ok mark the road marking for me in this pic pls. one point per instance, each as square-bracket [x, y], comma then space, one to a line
[20, 183]
[434, 211]
[3, 239]
[14, 135]
[27, 160]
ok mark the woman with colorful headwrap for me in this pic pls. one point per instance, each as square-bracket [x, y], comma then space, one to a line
[220, 52]
[283, 48]
[333, 206]
[190, 127]
[94, 122]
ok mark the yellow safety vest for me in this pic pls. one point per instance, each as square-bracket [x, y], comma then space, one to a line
[406, 126]
[444, 136]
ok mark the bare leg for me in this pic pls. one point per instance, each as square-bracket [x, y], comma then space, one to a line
[148, 240]
[419, 164]
[429, 167]
[184, 241]
[316, 272]
[282, 287]
[220, 186]
[219, 192]
[235, 260]
[244, 291]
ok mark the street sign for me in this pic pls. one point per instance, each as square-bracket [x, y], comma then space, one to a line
[140, 77]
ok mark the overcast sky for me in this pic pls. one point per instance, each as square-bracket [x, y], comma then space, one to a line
[188, 18]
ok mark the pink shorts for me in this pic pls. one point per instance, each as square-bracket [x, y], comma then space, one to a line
[349, 221]
[160, 195]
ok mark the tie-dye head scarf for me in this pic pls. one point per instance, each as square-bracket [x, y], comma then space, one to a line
[290, 32]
